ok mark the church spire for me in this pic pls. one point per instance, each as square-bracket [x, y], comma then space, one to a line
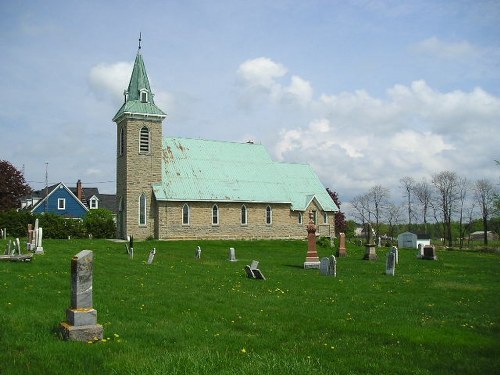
[139, 100]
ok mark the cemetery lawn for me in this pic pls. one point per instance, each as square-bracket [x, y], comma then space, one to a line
[180, 315]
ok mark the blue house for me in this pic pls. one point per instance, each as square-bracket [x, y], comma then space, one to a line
[60, 201]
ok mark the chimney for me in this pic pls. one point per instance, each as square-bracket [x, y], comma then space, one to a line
[79, 190]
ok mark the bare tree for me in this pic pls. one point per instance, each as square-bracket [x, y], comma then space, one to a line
[423, 192]
[462, 194]
[446, 185]
[361, 206]
[484, 193]
[393, 216]
[408, 184]
[379, 196]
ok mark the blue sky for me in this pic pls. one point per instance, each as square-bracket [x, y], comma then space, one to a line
[367, 92]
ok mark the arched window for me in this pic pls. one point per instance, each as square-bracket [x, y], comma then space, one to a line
[144, 140]
[244, 215]
[325, 218]
[121, 142]
[142, 209]
[300, 218]
[269, 215]
[215, 215]
[185, 214]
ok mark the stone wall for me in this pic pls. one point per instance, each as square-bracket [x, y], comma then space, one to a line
[284, 222]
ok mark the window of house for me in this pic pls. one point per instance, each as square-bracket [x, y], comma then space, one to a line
[185, 214]
[325, 218]
[300, 218]
[120, 204]
[93, 203]
[315, 217]
[61, 203]
[269, 215]
[144, 140]
[215, 215]
[142, 209]
[244, 213]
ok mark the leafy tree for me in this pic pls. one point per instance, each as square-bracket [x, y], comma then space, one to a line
[340, 222]
[12, 186]
[99, 223]
[16, 222]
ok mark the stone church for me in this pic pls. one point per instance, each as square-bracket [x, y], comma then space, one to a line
[182, 188]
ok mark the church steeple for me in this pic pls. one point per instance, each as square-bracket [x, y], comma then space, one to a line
[139, 102]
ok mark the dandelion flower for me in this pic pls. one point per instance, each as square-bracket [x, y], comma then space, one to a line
[243, 350]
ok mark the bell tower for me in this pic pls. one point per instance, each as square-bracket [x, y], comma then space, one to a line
[138, 155]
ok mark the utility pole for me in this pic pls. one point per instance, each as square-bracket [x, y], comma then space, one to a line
[46, 186]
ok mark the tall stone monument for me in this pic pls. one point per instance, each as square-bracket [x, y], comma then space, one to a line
[312, 259]
[371, 252]
[342, 249]
[81, 317]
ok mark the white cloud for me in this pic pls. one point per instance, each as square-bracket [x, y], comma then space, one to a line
[110, 79]
[262, 76]
[355, 140]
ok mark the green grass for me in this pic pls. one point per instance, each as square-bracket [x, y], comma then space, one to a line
[186, 316]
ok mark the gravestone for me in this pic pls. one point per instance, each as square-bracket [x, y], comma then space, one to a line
[30, 237]
[328, 266]
[420, 253]
[232, 255]
[429, 252]
[254, 265]
[333, 266]
[81, 317]
[39, 247]
[342, 249]
[152, 254]
[379, 243]
[312, 259]
[370, 251]
[131, 247]
[18, 245]
[35, 234]
[249, 272]
[395, 250]
[324, 266]
[390, 264]
[4, 233]
[197, 253]
[258, 274]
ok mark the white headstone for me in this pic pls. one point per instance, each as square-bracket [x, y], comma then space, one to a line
[152, 254]
[197, 253]
[232, 255]
[39, 247]
[396, 253]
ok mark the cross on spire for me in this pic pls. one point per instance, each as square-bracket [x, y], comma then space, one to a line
[140, 35]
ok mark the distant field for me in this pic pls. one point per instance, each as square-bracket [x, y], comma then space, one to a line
[186, 316]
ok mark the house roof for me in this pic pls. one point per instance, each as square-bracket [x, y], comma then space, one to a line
[133, 105]
[49, 191]
[203, 170]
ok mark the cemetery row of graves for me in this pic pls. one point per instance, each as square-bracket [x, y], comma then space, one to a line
[207, 307]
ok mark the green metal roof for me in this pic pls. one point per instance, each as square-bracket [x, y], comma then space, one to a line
[133, 105]
[202, 170]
